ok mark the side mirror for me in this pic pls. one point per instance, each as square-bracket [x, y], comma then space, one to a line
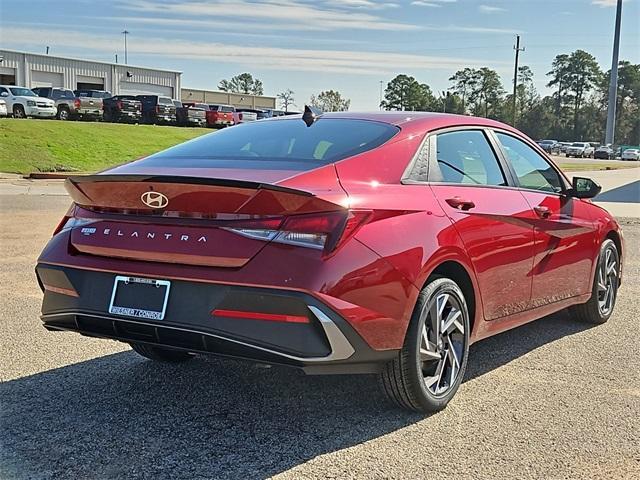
[4, 94]
[583, 188]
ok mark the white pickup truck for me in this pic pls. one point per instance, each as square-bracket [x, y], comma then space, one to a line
[580, 149]
[22, 103]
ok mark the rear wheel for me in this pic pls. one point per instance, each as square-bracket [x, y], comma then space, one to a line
[605, 287]
[161, 354]
[431, 365]
[63, 113]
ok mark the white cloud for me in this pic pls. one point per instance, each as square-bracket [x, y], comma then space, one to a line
[293, 13]
[605, 3]
[491, 9]
[431, 3]
[282, 59]
[363, 4]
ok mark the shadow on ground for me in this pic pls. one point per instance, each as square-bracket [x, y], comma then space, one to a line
[629, 193]
[122, 416]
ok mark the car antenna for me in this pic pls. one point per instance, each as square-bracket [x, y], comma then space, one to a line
[310, 115]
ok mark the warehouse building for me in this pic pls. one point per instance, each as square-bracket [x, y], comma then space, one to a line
[227, 98]
[33, 70]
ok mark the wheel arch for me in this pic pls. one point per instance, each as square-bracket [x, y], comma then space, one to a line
[617, 239]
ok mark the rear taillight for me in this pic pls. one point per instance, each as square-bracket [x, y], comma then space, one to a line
[322, 231]
[76, 103]
[119, 104]
[63, 222]
[157, 108]
[240, 116]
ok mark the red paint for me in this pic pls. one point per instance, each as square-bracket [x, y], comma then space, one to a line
[527, 253]
[269, 317]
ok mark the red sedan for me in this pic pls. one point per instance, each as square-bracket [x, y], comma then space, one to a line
[338, 243]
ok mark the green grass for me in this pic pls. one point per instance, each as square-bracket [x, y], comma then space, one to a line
[55, 146]
[604, 165]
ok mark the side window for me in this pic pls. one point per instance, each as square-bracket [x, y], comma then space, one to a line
[532, 170]
[466, 157]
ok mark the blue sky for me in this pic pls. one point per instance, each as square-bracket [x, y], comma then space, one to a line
[309, 46]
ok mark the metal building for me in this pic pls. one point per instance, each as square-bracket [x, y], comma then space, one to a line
[227, 98]
[35, 70]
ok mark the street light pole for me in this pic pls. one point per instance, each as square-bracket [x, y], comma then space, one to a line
[613, 82]
[125, 33]
[381, 83]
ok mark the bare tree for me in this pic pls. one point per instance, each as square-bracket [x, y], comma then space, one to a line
[286, 99]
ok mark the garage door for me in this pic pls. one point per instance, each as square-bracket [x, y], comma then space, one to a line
[46, 79]
[134, 88]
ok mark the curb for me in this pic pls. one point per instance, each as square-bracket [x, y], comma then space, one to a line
[52, 175]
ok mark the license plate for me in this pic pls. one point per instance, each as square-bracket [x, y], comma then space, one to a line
[139, 297]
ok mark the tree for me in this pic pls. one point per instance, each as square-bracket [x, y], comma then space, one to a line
[286, 99]
[406, 93]
[330, 101]
[243, 83]
[487, 93]
[526, 94]
[576, 74]
[627, 104]
[464, 81]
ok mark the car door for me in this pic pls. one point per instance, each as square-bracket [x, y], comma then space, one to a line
[491, 217]
[565, 243]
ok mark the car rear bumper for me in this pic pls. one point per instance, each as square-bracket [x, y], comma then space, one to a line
[229, 320]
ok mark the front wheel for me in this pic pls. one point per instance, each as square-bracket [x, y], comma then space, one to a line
[605, 287]
[18, 112]
[431, 365]
[161, 354]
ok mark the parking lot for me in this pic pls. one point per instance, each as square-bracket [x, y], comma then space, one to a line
[552, 399]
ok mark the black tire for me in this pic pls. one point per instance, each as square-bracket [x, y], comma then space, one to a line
[600, 307]
[160, 354]
[408, 380]
[63, 113]
[18, 111]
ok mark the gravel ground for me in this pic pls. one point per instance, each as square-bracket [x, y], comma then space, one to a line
[552, 399]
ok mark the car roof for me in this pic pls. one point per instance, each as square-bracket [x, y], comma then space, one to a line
[421, 120]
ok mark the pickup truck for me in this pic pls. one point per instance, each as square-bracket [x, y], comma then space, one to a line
[157, 109]
[580, 149]
[190, 115]
[243, 115]
[22, 102]
[122, 108]
[88, 103]
[63, 98]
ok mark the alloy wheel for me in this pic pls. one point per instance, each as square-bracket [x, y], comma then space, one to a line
[607, 281]
[442, 344]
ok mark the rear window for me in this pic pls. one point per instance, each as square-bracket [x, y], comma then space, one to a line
[282, 144]
[165, 100]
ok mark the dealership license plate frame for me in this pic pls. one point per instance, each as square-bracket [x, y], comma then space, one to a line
[139, 312]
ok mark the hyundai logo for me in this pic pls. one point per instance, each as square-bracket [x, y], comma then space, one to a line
[154, 199]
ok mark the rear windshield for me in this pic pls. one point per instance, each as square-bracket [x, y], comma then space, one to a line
[281, 144]
[222, 108]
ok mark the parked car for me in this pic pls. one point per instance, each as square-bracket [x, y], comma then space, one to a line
[580, 149]
[187, 115]
[604, 152]
[260, 114]
[275, 113]
[264, 255]
[550, 146]
[3, 108]
[64, 99]
[244, 115]
[564, 146]
[157, 109]
[88, 103]
[22, 102]
[221, 115]
[122, 108]
[631, 154]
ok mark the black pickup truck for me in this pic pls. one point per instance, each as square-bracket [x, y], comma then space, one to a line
[190, 116]
[157, 109]
[122, 108]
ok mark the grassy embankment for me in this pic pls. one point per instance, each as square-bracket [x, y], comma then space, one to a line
[55, 146]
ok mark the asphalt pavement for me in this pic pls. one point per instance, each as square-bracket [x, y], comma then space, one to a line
[552, 399]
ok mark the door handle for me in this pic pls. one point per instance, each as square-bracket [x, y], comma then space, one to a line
[542, 211]
[460, 203]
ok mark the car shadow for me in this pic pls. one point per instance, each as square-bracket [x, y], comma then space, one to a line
[629, 193]
[121, 416]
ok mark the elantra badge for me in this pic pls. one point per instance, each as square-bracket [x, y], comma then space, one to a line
[154, 199]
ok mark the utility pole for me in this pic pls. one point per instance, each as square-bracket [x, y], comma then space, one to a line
[125, 33]
[380, 104]
[515, 77]
[613, 82]
[116, 58]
